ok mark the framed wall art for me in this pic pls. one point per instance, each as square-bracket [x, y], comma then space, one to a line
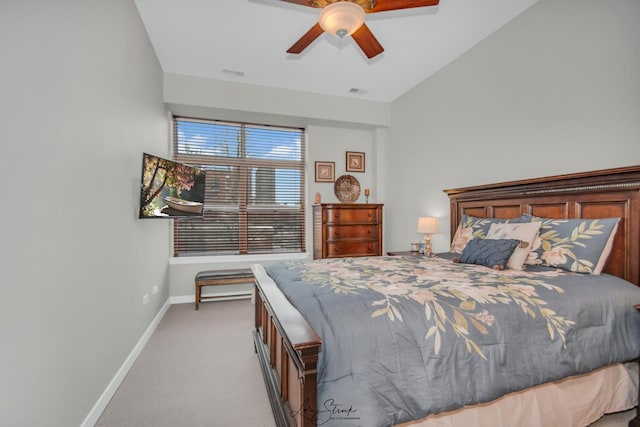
[355, 161]
[325, 171]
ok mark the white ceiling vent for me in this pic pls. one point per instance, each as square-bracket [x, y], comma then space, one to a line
[233, 72]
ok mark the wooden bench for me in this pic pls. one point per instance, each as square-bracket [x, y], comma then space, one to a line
[221, 277]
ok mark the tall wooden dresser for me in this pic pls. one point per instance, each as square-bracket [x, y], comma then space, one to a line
[347, 230]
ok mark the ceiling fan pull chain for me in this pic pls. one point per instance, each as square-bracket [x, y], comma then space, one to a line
[341, 45]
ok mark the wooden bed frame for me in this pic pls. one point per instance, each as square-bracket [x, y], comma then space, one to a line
[288, 347]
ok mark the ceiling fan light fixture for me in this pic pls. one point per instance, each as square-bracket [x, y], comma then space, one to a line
[341, 18]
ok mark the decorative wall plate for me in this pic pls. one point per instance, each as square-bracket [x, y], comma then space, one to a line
[347, 188]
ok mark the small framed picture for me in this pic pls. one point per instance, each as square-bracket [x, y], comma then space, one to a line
[355, 161]
[325, 171]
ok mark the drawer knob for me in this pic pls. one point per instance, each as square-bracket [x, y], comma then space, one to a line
[337, 250]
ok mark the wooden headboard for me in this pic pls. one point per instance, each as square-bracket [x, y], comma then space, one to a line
[606, 193]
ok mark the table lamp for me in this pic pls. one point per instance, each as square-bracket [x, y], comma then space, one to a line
[427, 226]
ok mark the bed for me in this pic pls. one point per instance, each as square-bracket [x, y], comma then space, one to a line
[571, 377]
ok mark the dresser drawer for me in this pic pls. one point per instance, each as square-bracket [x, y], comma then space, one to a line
[335, 232]
[344, 249]
[351, 215]
[347, 229]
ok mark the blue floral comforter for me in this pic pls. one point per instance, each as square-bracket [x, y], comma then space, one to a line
[405, 337]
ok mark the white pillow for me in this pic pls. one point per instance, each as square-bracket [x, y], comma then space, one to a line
[524, 231]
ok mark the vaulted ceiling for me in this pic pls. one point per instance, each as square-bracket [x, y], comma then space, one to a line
[246, 41]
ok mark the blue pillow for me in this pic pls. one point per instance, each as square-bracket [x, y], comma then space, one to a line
[493, 253]
[578, 245]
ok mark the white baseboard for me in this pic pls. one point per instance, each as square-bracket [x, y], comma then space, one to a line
[111, 389]
[183, 299]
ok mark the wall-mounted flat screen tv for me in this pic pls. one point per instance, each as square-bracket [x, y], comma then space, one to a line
[170, 189]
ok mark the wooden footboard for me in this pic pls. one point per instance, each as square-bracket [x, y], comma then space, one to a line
[288, 351]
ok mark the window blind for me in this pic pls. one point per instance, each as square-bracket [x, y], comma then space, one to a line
[254, 196]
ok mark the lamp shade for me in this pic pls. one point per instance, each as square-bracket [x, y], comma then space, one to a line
[341, 18]
[427, 225]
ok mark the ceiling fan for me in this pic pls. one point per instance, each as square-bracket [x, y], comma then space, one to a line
[346, 17]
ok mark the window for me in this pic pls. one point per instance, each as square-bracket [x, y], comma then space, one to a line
[254, 196]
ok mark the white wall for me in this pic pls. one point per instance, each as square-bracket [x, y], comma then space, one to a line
[331, 144]
[554, 91]
[230, 100]
[81, 99]
[334, 126]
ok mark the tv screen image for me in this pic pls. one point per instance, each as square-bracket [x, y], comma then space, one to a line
[170, 189]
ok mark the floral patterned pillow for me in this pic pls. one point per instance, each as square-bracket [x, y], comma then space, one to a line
[526, 232]
[472, 227]
[578, 245]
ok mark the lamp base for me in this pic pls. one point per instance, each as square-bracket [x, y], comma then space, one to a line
[428, 251]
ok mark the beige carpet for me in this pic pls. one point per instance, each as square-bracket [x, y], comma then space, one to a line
[620, 419]
[199, 369]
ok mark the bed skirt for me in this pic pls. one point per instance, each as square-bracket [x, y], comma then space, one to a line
[576, 401]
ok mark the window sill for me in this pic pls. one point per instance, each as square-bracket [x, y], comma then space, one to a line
[238, 258]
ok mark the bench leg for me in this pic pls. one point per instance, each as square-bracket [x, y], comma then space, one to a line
[198, 287]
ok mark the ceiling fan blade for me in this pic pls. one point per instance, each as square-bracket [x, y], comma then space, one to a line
[384, 5]
[367, 41]
[379, 5]
[306, 40]
[309, 3]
